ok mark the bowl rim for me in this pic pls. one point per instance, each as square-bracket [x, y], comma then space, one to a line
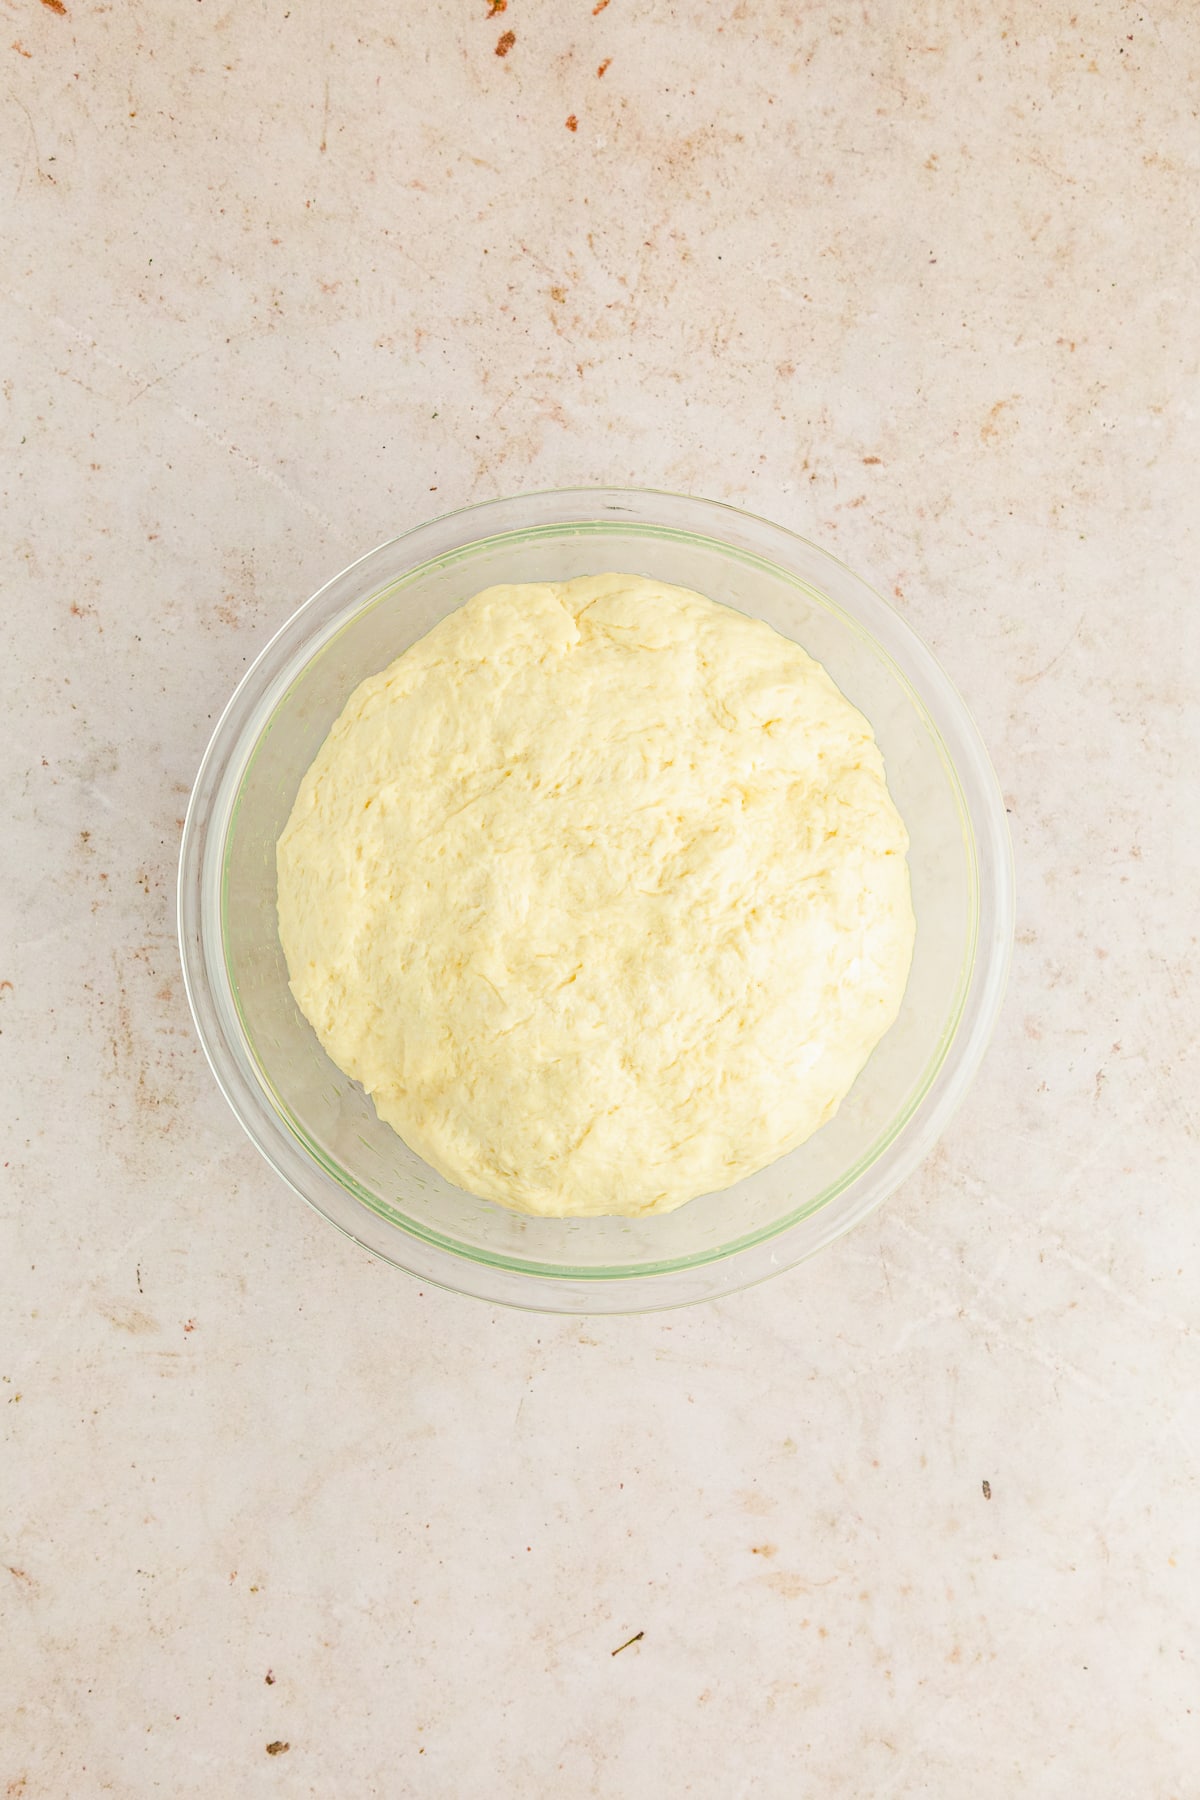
[280, 1138]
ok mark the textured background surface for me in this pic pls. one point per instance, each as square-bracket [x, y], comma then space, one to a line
[918, 280]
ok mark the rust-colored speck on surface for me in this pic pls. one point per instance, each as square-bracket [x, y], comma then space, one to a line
[599, 7]
[572, 123]
[496, 6]
[277, 1748]
[604, 67]
[507, 40]
[56, 6]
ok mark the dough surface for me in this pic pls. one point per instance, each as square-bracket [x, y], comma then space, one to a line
[599, 892]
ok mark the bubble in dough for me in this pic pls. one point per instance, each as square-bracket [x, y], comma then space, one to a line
[600, 893]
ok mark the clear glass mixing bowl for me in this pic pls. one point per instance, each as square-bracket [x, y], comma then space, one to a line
[320, 1131]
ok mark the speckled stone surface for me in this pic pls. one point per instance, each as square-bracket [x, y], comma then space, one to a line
[919, 281]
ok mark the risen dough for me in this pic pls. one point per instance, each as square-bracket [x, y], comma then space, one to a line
[599, 892]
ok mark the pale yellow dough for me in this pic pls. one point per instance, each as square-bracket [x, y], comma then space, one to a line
[599, 892]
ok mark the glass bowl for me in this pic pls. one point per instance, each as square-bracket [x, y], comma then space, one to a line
[318, 1129]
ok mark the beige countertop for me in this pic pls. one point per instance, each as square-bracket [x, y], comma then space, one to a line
[921, 283]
